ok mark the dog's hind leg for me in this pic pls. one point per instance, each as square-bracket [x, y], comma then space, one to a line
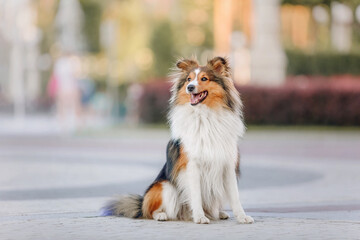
[161, 202]
[170, 200]
[159, 215]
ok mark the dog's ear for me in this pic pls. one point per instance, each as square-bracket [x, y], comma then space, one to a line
[186, 64]
[220, 65]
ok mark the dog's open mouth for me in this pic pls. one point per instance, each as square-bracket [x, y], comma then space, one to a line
[198, 98]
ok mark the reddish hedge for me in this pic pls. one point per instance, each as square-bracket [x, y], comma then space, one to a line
[304, 102]
[154, 101]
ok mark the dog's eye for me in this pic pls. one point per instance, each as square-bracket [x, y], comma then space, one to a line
[204, 79]
[189, 79]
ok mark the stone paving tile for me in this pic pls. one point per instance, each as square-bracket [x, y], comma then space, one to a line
[123, 228]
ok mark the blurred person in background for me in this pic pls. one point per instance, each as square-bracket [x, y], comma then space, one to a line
[68, 95]
[134, 93]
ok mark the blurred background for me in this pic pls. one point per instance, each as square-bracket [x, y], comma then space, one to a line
[84, 94]
[71, 65]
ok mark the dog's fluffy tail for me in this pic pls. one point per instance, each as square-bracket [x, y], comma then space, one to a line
[127, 206]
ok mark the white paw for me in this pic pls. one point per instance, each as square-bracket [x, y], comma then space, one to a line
[223, 215]
[245, 219]
[161, 216]
[201, 220]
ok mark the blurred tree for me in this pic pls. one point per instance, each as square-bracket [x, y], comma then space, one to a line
[46, 10]
[194, 26]
[163, 46]
[92, 10]
[132, 29]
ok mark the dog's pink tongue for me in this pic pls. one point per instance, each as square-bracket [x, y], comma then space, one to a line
[194, 98]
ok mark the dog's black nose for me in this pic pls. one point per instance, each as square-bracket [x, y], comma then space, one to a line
[190, 88]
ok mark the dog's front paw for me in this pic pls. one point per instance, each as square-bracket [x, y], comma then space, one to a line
[201, 219]
[245, 219]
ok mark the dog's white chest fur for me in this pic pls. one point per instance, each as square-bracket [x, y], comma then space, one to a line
[207, 135]
[210, 138]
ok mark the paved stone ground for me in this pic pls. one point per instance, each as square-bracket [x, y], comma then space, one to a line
[296, 185]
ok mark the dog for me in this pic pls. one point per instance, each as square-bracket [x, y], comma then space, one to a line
[202, 157]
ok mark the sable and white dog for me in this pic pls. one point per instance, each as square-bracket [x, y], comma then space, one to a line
[202, 165]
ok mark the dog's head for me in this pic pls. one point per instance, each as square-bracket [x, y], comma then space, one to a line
[210, 84]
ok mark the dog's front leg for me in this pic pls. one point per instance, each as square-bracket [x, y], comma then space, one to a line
[195, 193]
[233, 195]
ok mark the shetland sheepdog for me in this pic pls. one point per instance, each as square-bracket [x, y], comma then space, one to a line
[202, 157]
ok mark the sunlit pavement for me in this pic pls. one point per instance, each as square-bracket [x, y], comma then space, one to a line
[296, 184]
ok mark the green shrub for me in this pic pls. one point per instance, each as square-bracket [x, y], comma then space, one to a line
[326, 64]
